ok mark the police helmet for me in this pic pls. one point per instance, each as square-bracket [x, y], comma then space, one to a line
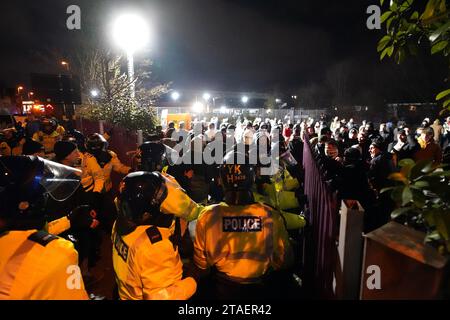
[152, 155]
[156, 155]
[96, 142]
[25, 182]
[48, 125]
[236, 172]
[139, 201]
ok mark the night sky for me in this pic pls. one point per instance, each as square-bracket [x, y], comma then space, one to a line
[202, 44]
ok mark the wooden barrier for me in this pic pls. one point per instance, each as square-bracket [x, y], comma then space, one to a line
[398, 265]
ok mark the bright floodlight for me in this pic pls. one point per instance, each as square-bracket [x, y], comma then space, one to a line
[244, 99]
[131, 32]
[94, 93]
[198, 107]
[206, 96]
[175, 95]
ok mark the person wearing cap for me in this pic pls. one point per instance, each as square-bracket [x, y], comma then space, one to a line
[67, 153]
[33, 148]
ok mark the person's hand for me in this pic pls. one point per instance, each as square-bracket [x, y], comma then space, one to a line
[189, 174]
[95, 222]
[83, 217]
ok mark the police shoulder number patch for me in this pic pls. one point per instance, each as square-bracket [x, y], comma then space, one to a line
[42, 237]
[242, 224]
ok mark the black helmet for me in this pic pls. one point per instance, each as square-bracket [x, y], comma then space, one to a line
[139, 201]
[152, 156]
[96, 142]
[48, 125]
[24, 183]
[237, 177]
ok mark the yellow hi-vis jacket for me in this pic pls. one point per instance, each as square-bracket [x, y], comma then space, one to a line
[47, 140]
[6, 150]
[115, 165]
[39, 266]
[292, 221]
[98, 179]
[242, 242]
[178, 202]
[148, 267]
[92, 176]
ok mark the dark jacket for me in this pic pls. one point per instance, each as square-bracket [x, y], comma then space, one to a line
[380, 168]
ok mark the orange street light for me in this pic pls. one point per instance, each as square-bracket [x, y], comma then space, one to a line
[65, 64]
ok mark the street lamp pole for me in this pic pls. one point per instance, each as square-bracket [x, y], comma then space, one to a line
[130, 60]
[131, 33]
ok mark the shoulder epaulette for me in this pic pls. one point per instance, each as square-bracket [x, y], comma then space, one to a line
[153, 234]
[42, 237]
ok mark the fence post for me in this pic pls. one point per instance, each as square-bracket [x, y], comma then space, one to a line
[350, 247]
[140, 138]
[101, 127]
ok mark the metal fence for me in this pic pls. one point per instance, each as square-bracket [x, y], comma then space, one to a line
[320, 254]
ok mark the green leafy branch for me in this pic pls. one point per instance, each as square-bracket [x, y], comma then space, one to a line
[408, 27]
[422, 195]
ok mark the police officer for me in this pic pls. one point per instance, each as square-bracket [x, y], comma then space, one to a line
[47, 135]
[35, 264]
[98, 156]
[145, 252]
[97, 146]
[12, 144]
[242, 239]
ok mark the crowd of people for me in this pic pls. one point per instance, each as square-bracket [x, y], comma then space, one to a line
[177, 230]
[357, 159]
[181, 230]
